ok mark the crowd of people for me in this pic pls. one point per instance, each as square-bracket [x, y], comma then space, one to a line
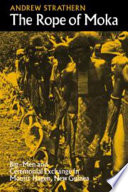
[80, 86]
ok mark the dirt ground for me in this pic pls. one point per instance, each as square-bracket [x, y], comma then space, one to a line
[12, 145]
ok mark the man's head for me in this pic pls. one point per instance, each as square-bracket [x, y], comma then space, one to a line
[118, 63]
[123, 38]
[36, 40]
[110, 49]
[80, 50]
[61, 53]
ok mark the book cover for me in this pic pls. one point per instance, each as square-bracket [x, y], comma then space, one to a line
[63, 95]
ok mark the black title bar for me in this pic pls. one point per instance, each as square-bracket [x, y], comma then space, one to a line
[68, 15]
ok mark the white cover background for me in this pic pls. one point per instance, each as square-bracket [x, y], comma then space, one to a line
[120, 181]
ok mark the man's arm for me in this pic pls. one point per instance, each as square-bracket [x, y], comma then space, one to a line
[113, 111]
[66, 79]
[112, 118]
[108, 81]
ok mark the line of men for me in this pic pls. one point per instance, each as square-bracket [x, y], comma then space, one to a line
[88, 82]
